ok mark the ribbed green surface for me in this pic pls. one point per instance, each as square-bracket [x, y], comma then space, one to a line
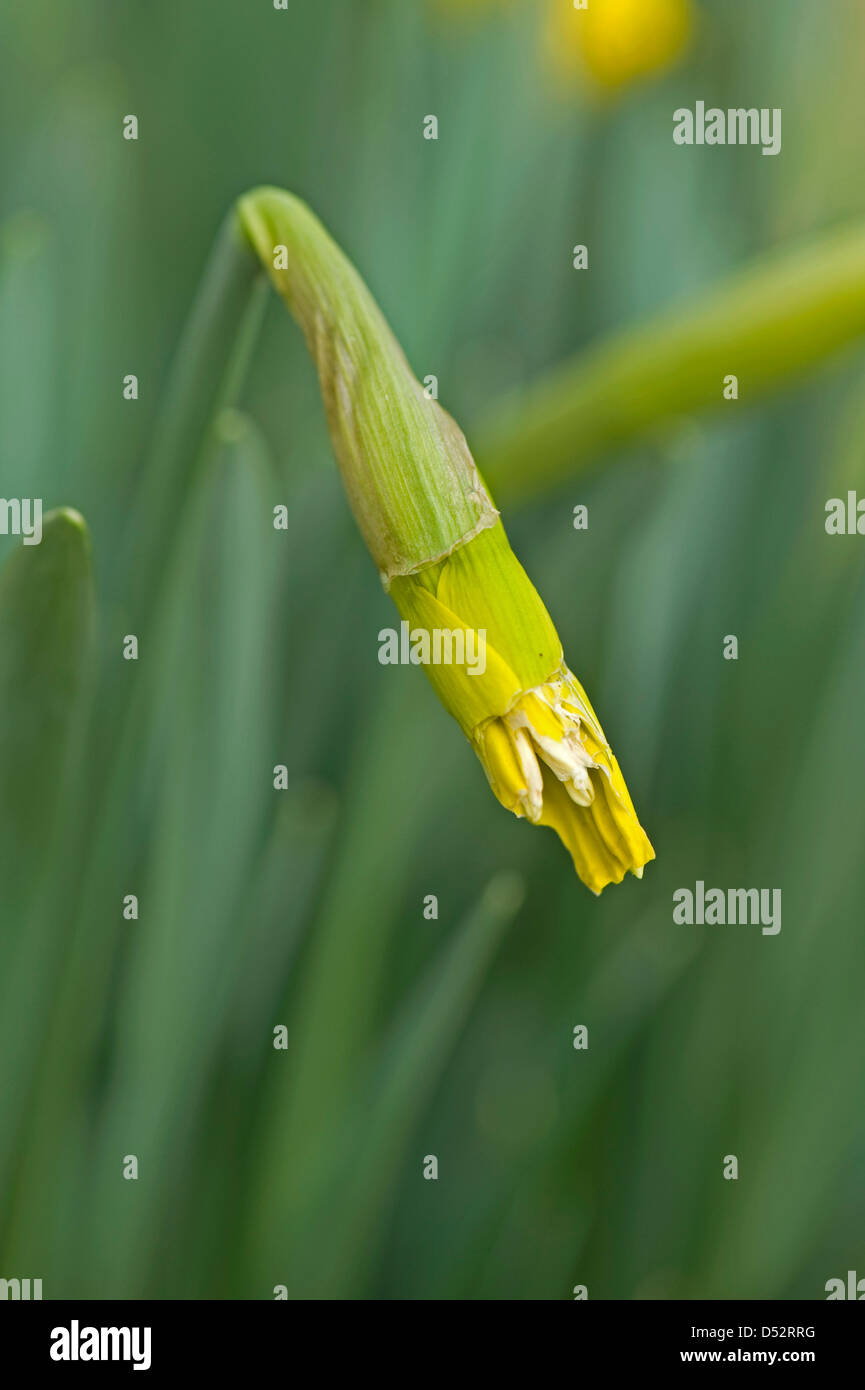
[405, 464]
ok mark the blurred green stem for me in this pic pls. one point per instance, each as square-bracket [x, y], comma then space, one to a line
[767, 325]
[206, 377]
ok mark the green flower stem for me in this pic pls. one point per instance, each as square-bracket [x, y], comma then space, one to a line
[766, 325]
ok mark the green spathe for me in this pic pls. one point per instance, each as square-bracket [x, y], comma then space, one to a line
[410, 479]
[483, 587]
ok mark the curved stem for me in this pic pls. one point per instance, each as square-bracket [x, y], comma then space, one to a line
[767, 325]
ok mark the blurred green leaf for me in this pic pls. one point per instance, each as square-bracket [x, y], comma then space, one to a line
[359, 1162]
[46, 630]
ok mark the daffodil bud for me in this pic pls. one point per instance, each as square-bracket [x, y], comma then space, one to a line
[442, 551]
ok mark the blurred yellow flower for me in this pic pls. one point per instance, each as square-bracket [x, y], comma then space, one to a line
[618, 42]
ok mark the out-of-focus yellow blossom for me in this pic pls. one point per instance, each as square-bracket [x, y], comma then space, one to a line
[617, 42]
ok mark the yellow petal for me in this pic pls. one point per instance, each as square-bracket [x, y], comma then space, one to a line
[583, 796]
[605, 840]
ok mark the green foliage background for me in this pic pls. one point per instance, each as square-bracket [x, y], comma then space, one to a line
[303, 1167]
